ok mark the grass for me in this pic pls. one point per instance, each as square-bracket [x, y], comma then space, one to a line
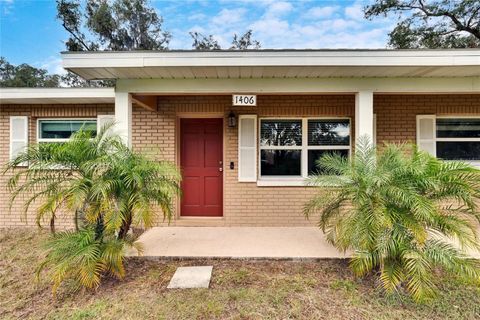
[239, 290]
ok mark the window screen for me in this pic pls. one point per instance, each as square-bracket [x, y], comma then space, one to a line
[458, 138]
[328, 132]
[281, 133]
[64, 129]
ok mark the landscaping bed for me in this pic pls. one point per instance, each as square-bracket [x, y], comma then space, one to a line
[240, 289]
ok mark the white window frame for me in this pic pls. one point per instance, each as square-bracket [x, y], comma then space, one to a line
[59, 140]
[302, 178]
[475, 163]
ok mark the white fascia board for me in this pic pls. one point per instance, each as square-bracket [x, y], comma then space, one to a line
[300, 85]
[273, 58]
[56, 93]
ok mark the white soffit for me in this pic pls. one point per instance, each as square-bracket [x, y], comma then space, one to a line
[56, 95]
[273, 64]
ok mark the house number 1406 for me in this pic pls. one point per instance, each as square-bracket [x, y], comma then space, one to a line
[244, 100]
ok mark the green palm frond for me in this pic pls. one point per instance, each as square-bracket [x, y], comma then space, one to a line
[451, 258]
[83, 258]
[363, 262]
[419, 275]
[392, 275]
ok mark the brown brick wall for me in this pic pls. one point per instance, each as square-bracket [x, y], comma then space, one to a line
[245, 203]
[396, 114]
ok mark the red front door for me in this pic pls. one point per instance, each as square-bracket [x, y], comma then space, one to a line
[201, 159]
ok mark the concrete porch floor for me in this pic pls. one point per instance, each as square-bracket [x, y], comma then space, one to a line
[241, 242]
[237, 242]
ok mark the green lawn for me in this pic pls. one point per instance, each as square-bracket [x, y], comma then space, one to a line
[239, 290]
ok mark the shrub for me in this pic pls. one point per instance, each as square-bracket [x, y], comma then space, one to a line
[401, 213]
[105, 187]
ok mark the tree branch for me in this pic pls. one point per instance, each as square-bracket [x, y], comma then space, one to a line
[474, 14]
[76, 37]
[443, 13]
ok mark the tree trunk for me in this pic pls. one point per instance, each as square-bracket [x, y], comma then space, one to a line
[52, 224]
[125, 227]
[75, 218]
[99, 228]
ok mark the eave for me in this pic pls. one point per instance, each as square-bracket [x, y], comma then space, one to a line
[57, 95]
[273, 64]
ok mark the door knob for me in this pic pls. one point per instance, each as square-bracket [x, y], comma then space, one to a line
[220, 169]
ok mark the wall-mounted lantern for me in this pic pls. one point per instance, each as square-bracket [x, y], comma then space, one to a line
[232, 121]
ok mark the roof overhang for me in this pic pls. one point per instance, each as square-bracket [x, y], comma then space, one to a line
[226, 64]
[56, 95]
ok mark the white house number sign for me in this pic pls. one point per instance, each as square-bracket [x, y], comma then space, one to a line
[244, 100]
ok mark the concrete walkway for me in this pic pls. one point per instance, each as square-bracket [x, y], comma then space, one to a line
[237, 242]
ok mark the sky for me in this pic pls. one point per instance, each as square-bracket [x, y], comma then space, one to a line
[30, 32]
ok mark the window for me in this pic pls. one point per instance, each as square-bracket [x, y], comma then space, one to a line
[280, 147]
[458, 138]
[60, 130]
[327, 136]
[290, 148]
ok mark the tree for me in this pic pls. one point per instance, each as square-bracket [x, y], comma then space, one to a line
[201, 42]
[431, 24]
[112, 25]
[399, 213]
[118, 25]
[25, 75]
[105, 187]
[74, 81]
[244, 42]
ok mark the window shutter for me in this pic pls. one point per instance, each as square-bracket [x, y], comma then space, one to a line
[426, 134]
[247, 148]
[103, 120]
[18, 135]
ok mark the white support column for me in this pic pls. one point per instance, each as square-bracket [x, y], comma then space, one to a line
[123, 116]
[364, 114]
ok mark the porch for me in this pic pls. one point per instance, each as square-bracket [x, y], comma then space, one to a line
[237, 242]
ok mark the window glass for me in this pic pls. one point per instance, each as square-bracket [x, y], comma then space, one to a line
[280, 162]
[458, 128]
[458, 150]
[315, 155]
[281, 133]
[328, 132]
[63, 129]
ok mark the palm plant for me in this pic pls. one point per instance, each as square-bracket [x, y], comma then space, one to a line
[63, 175]
[105, 186]
[138, 184]
[98, 178]
[401, 213]
[83, 258]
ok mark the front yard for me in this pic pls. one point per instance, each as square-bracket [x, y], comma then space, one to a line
[239, 290]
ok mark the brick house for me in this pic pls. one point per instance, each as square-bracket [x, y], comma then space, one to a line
[247, 126]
